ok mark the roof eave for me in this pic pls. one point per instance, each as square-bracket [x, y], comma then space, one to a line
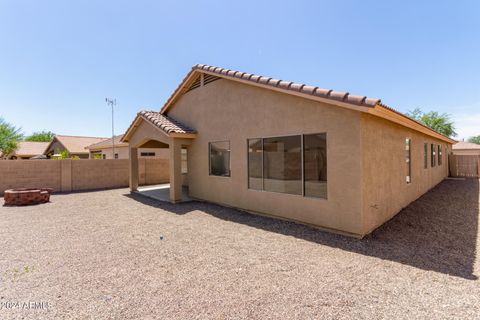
[136, 123]
[194, 72]
[392, 115]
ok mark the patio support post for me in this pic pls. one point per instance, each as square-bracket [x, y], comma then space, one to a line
[175, 170]
[133, 168]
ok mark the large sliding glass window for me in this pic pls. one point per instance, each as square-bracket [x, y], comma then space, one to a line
[255, 167]
[315, 164]
[290, 164]
[219, 158]
[282, 164]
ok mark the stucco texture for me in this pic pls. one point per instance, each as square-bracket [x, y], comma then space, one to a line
[385, 190]
[243, 112]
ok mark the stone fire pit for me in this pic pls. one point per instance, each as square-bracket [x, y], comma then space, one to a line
[26, 196]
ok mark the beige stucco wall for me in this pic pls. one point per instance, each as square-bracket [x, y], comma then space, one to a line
[385, 191]
[243, 112]
[74, 175]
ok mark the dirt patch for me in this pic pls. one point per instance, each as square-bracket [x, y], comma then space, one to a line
[111, 255]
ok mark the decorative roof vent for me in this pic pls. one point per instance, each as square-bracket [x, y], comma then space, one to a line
[198, 81]
[209, 78]
[195, 84]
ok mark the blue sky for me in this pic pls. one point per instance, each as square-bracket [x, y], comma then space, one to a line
[60, 59]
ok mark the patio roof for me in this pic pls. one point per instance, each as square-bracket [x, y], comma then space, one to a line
[167, 125]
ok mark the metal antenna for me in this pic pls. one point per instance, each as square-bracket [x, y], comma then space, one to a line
[112, 103]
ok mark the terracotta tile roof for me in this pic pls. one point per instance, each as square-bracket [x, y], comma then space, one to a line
[462, 145]
[164, 123]
[108, 143]
[372, 106]
[31, 148]
[77, 144]
[344, 97]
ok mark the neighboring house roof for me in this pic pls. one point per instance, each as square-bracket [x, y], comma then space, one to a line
[169, 126]
[76, 144]
[108, 143]
[462, 145]
[372, 106]
[30, 148]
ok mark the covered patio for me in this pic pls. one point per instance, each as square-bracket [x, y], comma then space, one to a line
[161, 192]
[150, 129]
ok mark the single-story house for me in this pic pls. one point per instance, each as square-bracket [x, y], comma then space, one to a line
[75, 145]
[340, 162]
[28, 150]
[104, 150]
[466, 148]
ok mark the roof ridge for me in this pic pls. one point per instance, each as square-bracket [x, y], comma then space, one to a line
[294, 86]
[66, 135]
[339, 96]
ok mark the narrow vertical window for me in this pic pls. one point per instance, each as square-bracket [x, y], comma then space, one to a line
[255, 164]
[408, 143]
[439, 155]
[282, 164]
[433, 155]
[425, 155]
[220, 158]
[315, 165]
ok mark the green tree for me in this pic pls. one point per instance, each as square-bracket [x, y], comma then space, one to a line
[9, 137]
[434, 120]
[41, 136]
[475, 139]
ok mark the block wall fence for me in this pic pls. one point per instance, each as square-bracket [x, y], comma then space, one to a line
[76, 175]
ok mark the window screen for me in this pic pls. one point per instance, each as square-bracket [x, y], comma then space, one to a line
[315, 165]
[282, 164]
[219, 158]
[439, 155]
[433, 155]
[425, 155]
[255, 164]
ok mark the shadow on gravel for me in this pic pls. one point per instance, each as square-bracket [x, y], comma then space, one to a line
[437, 232]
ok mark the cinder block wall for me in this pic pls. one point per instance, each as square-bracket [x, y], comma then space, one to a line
[29, 174]
[98, 174]
[74, 175]
[152, 171]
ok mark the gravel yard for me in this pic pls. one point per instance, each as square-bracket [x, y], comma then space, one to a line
[101, 255]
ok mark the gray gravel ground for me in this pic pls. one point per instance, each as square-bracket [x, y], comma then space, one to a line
[98, 255]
